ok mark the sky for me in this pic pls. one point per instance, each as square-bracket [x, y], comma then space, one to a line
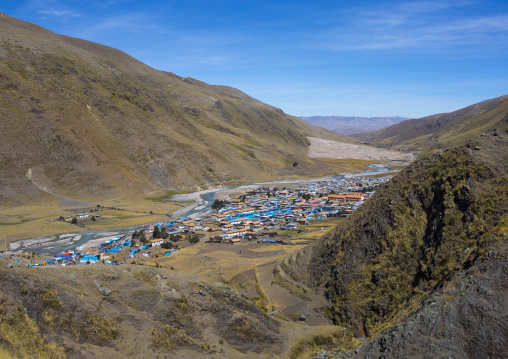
[309, 58]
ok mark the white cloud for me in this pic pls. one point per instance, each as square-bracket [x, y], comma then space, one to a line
[423, 24]
[59, 13]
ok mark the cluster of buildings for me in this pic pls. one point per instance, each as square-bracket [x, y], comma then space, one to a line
[259, 214]
[270, 209]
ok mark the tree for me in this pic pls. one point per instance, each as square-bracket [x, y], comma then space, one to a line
[295, 164]
[61, 218]
[167, 245]
[194, 239]
[175, 237]
[74, 220]
[218, 204]
[156, 232]
[93, 219]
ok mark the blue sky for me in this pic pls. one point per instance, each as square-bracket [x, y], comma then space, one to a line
[344, 58]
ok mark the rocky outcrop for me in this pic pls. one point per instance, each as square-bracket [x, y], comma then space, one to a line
[466, 320]
[421, 270]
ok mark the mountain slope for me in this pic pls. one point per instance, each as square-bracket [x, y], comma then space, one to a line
[444, 130]
[61, 312]
[89, 121]
[414, 267]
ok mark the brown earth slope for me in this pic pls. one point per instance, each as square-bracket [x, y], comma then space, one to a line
[59, 312]
[85, 121]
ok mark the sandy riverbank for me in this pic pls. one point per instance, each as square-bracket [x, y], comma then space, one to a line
[320, 148]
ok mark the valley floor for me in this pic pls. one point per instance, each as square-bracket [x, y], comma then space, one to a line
[321, 148]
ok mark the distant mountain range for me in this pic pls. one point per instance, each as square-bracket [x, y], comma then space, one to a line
[351, 125]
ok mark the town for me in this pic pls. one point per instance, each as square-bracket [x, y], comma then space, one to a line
[262, 215]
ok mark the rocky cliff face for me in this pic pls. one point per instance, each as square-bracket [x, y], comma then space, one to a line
[464, 319]
[425, 257]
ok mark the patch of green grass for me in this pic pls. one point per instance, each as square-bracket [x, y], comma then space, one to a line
[243, 150]
[251, 142]
[163, 197]
[348, 162]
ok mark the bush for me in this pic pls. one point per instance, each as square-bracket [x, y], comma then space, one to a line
[194, 239]
[167, 245]
[175, 237]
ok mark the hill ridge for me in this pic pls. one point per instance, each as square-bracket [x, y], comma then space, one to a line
[107, 124]
[446, 129]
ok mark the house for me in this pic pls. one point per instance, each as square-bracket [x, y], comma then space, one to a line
[82, 215]
[157, 242]
[302, 220]
[235, 233]
[337, 197]
[227, 227]
[354, 197]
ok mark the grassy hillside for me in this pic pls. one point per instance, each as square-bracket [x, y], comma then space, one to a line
[61, 313]
[86, 121]
[444, 215]
[443, 130]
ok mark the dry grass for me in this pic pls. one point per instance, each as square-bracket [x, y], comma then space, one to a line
[25, 222]
[316, 229]
[353, 163]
